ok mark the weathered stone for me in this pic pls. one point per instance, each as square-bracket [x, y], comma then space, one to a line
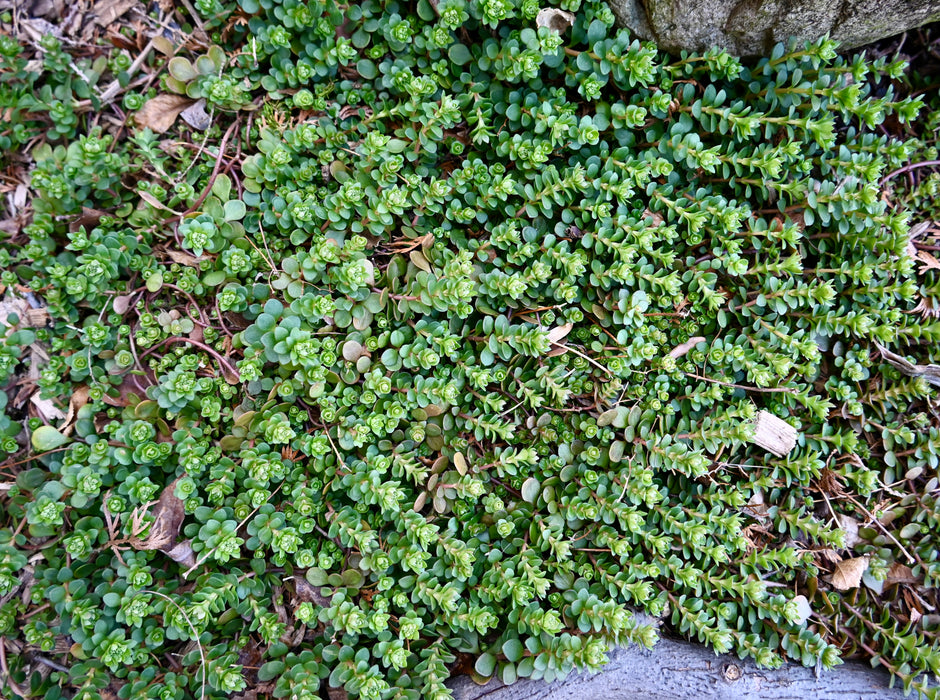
[680, 671]
[752, 27]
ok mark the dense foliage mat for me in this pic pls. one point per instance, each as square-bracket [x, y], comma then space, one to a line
[441, 349]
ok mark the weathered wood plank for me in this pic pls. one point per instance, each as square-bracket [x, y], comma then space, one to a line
[680, 670]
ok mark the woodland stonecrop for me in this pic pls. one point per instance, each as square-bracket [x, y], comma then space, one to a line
[456, 349]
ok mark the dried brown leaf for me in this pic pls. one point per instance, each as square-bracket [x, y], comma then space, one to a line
[927, 261]
[182, 258]
[657, 218]
[78, 401]
[182, 553]
[419, 261]
[848, 573]
[830, 555]
[308, 593]
[160, 112]
[132, 383]
[559, 333]
[168, 516]
[899, 573]
[108, 11]
[196, 115]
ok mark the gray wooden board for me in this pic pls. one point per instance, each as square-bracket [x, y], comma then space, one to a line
[679, 670]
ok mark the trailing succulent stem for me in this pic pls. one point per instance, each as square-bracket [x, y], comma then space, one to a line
[442, 349]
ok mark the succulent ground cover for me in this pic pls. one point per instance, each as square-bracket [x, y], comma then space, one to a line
[351, 346]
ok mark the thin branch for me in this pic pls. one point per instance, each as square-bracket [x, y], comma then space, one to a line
[763, 390]
[908, 168]
[583, 356]
[910, 557]
[192, 628]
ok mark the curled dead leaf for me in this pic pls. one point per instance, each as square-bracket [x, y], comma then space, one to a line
[156, 203]
[848, 573]
[182, 553]
[556, 20]
[159, 113]
[77, 402]
[681, 350]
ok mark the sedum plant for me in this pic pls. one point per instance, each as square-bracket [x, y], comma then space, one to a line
[206, 78]
[449, 359]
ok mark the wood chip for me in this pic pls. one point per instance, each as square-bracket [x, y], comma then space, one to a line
[774, 434]
[159, 113]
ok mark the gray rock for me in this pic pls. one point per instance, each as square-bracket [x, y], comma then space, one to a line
[752, 27]
[682, 671]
